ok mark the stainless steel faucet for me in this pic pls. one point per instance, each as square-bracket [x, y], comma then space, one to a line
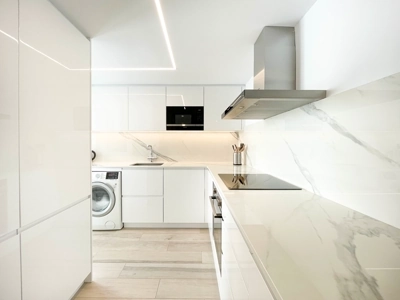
[151, 156]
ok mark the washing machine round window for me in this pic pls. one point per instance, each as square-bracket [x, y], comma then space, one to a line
[103, 199]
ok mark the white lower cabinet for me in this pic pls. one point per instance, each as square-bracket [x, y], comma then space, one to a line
[239, 270]
[184, 195]
[142, 209]
[142, 195]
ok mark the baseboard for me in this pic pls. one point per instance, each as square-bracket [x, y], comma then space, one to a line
[165, 225]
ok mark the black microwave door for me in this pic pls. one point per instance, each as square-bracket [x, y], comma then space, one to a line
[185, 118]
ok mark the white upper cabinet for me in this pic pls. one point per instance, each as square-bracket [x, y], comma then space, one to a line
[185, 96]
[147, 110]
[216, 100]
[109, 108]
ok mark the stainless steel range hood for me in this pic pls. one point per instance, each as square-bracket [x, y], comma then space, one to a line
[274, 79]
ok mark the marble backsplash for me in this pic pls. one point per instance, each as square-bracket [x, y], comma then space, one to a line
[168, 146]
[345, 148]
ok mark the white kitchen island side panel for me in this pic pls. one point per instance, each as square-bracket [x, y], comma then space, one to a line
[9, 160]
[56, 254]
[54, 78]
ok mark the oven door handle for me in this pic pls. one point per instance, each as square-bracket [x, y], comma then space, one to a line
[215, 214]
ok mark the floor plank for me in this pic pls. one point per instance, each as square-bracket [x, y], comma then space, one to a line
[151, 264]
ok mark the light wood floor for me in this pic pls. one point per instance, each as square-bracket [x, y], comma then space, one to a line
[151, 264]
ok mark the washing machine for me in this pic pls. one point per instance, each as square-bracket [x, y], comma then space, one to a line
[106, 201]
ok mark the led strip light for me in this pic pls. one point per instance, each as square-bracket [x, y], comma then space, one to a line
[167, 41]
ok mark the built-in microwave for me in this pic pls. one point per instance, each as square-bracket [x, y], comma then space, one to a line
[185, 118]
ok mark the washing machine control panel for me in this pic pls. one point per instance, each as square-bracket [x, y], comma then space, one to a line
[112, 175]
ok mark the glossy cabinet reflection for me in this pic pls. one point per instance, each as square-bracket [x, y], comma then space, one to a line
[185, 96]
[54, 85]
[56, 254]
[9, 173]
[147, 111]
[109, 108]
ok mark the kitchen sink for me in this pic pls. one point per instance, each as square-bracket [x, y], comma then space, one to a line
[147, 164]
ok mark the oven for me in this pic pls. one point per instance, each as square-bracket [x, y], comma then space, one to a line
[185, 118]
[216, 205]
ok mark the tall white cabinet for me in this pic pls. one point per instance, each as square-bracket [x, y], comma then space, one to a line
[45, 164]
[10, 284]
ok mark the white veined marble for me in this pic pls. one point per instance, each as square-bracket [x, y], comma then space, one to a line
[168, 146]
[345, 148]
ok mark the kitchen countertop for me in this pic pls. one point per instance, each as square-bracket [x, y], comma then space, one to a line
[308, 247]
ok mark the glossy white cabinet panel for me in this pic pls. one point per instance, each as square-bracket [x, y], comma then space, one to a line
[56, 254]
[244, 278]
[216, 100]
[10, 278]
[183, 196]
[54, 98]
[142, 182]
[185, 96]
[147, 111]
[145, 209]
[9, 19]
[9, 161]
[109, 108]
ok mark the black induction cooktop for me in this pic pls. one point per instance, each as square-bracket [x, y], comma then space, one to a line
[255, 182]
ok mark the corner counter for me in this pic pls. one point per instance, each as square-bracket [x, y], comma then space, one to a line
[307, 247]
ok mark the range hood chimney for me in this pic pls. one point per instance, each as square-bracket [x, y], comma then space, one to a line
[274, 79]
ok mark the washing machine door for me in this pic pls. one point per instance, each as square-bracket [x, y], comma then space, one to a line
[103, 199]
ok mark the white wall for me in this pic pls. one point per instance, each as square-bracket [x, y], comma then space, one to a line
[343, 44]
[346, 147]
[45, 138]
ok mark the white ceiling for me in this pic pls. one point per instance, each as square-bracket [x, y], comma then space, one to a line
[212, 40]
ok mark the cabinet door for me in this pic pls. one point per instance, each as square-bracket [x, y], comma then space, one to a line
[109, 108]
[142, 182]
[147, 110]
[216, 100]
[184, 196]
[185, 96]
[142, 209]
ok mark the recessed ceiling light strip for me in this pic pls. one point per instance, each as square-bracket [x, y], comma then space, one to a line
[164, 29]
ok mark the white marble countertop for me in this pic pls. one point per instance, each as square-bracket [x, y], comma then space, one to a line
[308, 247]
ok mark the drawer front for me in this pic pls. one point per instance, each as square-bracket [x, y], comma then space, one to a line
[144, 182]
[142, 209]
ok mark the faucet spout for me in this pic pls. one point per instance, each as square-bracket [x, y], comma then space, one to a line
[151, 156]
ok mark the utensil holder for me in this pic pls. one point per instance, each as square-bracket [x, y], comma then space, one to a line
[237, 158]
